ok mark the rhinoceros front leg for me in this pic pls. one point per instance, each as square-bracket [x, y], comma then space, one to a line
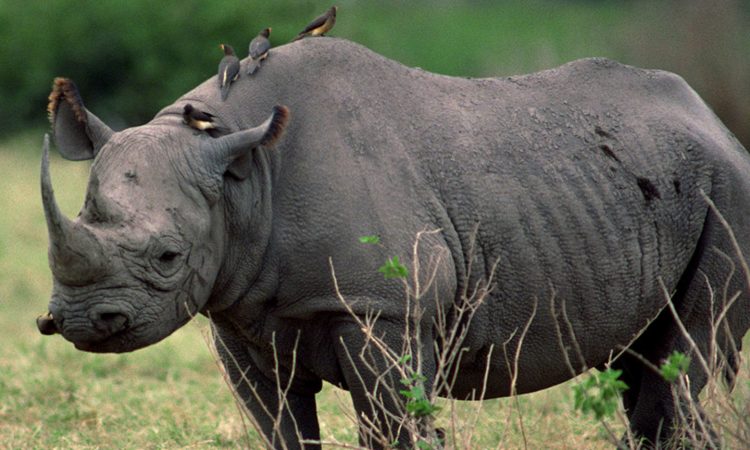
[286, 418]
[376, 371]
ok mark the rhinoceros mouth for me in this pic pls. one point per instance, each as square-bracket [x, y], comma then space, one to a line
[122, 341]
[117, 333]
[108, 325]
[131, 338]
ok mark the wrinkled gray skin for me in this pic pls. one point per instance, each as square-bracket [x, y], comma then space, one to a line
[584, 181]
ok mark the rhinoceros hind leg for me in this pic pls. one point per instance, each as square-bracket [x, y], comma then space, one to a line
[710, 302]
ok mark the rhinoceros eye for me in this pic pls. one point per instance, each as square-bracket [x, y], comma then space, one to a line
[168, 262]
[168, 256]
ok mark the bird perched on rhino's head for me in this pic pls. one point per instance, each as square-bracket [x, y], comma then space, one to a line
[258, 50]
[320, 25]
[229, 70]
[200, 120]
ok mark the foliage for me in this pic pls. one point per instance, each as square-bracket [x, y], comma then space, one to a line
[417, 402]
[599, 393]
[676, 365]
[369, 239]
[130, 59]
[393, 269]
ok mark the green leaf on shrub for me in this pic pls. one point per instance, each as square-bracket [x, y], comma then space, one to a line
[676, 364]
[404, 359]
[417, 403]
[599, 394]
[393, 269]
[369, 239]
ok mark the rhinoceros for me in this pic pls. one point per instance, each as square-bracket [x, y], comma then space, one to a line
[601, 211]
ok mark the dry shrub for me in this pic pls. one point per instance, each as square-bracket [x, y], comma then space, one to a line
[722, 419]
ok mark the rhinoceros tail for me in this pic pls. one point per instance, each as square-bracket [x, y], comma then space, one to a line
[65, 89]
[277, 123]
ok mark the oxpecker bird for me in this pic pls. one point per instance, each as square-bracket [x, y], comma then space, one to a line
[258, 51]
[199, 120]
[229, 70]
[321, 25]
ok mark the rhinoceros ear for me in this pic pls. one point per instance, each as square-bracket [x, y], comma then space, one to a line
[232, 153]
[79, 134]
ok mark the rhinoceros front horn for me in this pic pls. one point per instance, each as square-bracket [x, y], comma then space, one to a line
[75, 254]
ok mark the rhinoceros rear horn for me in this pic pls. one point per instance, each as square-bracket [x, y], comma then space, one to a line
[79, 134]
[229, 152]
[75, 254]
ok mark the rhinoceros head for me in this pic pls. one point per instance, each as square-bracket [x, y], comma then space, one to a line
[142, 256]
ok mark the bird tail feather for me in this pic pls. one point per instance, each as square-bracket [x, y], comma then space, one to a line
[253, 66]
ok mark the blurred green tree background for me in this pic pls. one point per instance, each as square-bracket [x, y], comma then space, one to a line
[131, 58]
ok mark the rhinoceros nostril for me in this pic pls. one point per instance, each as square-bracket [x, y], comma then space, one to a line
[111, 322]
[108, 320]
[111, 317]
